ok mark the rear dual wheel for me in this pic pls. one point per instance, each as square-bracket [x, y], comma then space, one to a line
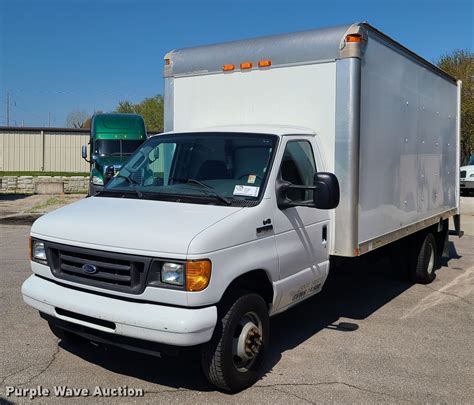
[424, 260]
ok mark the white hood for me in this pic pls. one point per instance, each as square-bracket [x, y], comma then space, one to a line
[130, 225]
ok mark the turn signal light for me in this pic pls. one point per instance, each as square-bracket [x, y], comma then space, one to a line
[167, 61]
[229, 67]
[354, 38]
[246, 65]
[264, 63]
[198, 274]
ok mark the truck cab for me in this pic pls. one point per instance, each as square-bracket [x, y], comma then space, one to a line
[114, 137]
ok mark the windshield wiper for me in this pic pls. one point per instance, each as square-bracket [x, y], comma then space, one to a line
[205, 186]
[131, 181]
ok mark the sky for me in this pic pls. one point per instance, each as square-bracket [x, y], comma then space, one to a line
[59, 56]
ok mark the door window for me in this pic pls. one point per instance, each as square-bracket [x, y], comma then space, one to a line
[298, 167]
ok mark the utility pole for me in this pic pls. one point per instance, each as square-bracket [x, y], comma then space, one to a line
[8, 108]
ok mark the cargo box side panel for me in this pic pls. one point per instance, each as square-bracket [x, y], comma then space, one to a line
[408, 142]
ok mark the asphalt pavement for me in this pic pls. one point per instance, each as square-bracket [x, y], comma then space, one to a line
[369, 337]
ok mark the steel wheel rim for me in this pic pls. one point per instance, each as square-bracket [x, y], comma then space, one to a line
[247, 341]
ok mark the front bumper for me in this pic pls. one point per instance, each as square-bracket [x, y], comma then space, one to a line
[152, 322]
[467, 184]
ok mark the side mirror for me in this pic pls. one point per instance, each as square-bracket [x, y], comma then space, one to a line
[326, 191]
[84, 152]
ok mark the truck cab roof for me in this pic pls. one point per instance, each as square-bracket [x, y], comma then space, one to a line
[279, 130]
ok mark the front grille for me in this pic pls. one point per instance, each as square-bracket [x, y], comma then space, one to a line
[463, 174]
[112, 271]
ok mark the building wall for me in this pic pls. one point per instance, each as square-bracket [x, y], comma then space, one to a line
[42, 149]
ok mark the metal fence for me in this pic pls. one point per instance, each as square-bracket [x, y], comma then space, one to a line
[42, 149]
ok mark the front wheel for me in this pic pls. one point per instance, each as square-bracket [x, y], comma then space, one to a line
[232, 359]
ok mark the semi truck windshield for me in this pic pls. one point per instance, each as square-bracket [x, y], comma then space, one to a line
[116, 147]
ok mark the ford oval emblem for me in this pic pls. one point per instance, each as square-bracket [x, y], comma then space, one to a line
[89, 268]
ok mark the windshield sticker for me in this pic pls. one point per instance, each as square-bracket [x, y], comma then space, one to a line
[247, 191]
[251, 178]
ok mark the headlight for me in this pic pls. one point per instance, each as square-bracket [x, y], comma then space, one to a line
[97, 181]
[192, 275]
[472, 175]
[172, 273]
[38, 251]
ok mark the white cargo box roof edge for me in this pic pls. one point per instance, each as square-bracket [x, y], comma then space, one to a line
[303, 47]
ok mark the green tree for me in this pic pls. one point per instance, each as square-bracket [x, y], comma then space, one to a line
[150, 108]
[460, 64]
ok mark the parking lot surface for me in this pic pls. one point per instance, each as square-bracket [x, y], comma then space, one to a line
[369, 337]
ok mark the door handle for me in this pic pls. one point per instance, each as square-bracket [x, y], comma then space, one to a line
[324, 233]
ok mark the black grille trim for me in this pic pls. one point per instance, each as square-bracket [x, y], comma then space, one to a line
[463, 174]
[115, 271]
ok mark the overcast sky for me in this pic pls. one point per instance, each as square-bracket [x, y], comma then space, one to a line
[57, 56]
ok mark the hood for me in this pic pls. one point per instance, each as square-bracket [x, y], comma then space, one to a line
[156, 228]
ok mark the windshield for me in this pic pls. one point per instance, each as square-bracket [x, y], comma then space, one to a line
[116, 147]
[211, 168]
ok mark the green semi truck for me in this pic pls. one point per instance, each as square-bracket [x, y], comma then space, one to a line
[114, 137]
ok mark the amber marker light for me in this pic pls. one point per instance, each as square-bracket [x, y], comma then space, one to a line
[228, 68]
[246, 65]
[167, 61]
[354, 38]
[264, 63]
[198, 274]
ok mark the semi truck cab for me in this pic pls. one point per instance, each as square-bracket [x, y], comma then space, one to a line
[114, 137]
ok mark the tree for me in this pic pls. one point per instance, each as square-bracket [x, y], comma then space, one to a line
[150, 108]
[76, 119]
[460, 64]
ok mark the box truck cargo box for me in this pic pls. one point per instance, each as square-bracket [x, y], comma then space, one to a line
[386, 119]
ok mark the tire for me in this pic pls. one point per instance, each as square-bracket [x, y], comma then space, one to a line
[64, 334]
[425, 260]
[234, 334]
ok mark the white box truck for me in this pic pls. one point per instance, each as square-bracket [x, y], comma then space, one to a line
[281, 154]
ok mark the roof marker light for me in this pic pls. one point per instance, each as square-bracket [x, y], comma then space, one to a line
[246, 65]
[354, 38]
[264, 63]
[229, 67]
